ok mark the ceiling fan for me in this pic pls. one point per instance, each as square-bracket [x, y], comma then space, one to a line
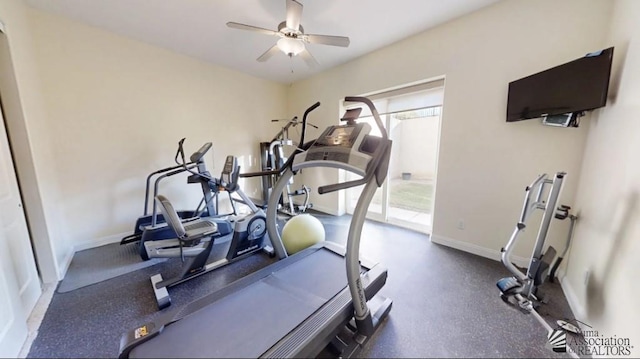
[292, 37]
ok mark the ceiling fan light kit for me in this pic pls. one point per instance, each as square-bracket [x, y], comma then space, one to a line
[292, 36]
[290, 46]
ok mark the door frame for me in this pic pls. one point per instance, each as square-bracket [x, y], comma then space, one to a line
[383, 215]
[20, 146]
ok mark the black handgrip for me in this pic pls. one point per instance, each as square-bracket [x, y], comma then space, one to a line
[373, 110]
[196, 156]
[311, 108]
[260, 173]
[339, 186]
[277, 171]
[180, 151]
[304, 120]
[172, 173]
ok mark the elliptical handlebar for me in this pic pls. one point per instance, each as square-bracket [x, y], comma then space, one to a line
[197, 156]
[505, 256]
[228, 179]
[180, 152]
[527, 206]
[172, 171]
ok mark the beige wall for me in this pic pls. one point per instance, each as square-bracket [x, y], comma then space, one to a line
[116, 110]
[484, 162]
[606, 239]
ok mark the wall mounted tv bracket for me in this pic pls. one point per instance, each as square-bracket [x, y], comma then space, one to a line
[571, 119]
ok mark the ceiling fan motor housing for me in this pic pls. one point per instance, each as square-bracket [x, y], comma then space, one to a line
[292, 33]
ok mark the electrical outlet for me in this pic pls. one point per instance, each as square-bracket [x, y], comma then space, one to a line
[460, 224]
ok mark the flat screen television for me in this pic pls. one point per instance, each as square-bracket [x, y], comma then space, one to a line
[576, 86]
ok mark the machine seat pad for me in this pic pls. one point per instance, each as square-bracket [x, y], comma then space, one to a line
[509, 286]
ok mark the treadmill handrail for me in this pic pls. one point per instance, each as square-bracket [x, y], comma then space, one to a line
[304, 120]
[374, 112]
[377, 157]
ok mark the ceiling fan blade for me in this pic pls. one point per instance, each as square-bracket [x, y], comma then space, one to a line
[267, 55]
[327, 40]
[235, 25]
[308, 58]
[294, 13]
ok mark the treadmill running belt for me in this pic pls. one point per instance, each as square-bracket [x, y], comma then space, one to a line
[248, 322]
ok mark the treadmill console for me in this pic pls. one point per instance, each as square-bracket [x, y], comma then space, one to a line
[343, 146]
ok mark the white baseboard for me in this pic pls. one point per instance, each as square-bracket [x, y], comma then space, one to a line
[574, 303]
[477, 250]
[99, 242]
[62, 269]
[327, 210]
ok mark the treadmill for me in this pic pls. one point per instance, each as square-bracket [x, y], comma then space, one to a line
[304, 303]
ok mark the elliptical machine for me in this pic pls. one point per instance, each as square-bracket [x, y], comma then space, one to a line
[522, 289]
[152, 225]
[197, 239]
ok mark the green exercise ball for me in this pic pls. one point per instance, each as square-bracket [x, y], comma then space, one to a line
[302, 231]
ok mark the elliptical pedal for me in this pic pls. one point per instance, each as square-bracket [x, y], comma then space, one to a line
[509, 286]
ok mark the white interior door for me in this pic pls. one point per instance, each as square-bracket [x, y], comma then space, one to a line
[13, 323]
[19, 282]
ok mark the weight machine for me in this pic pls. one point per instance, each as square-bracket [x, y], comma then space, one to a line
[272, 157]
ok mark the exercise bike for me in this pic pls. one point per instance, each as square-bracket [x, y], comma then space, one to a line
[195, 240]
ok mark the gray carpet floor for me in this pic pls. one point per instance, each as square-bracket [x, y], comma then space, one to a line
[445, 303]
[98, 264]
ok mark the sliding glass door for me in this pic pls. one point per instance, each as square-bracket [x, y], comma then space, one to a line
[413, 123]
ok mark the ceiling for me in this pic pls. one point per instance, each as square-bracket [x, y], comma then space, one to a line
[197, 28]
